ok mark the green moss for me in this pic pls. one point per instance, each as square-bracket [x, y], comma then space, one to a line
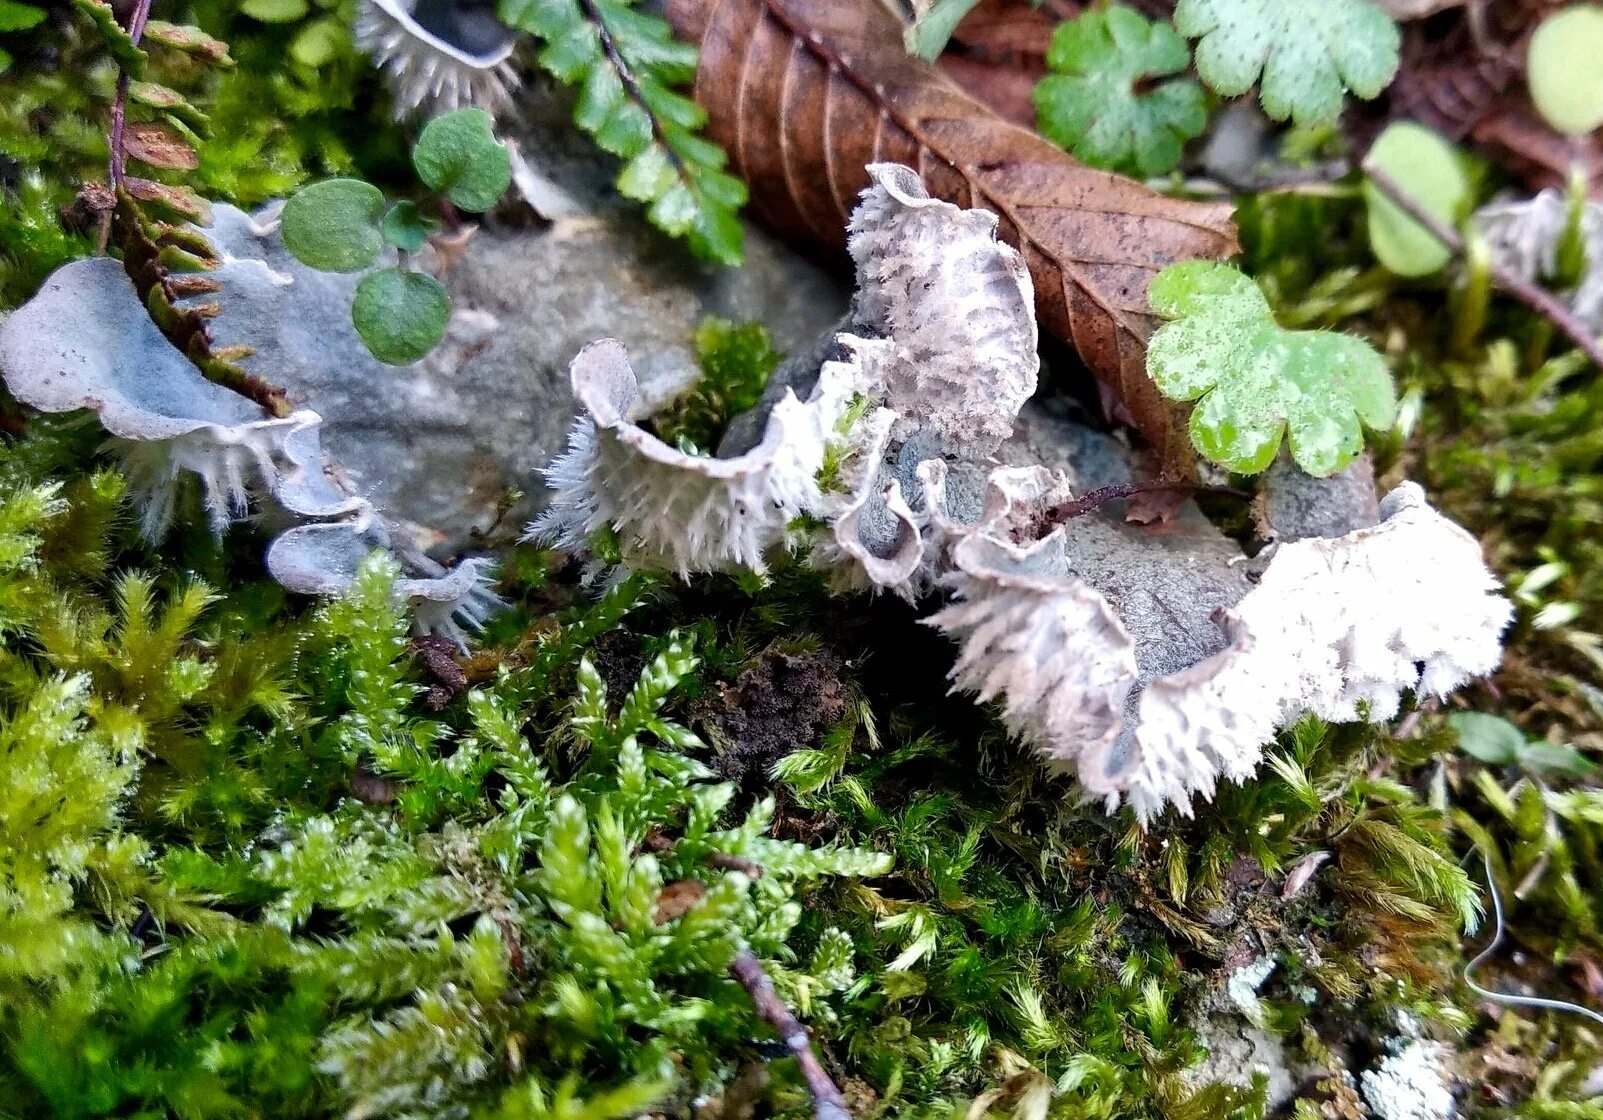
[735, 361]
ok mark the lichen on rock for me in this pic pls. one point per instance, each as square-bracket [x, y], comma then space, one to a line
[168, 422]
[1149, 663]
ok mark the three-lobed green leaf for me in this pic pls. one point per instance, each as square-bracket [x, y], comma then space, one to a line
[1254, 382]
[400, 315]
[458, 155]
[334, 225]
[1304, 53]
[1096, 104]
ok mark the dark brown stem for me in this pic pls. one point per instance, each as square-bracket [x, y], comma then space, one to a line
[119, 107]
[1096, 499]
[632, 88]
[1535, 297]
[828, 1103]
[727, 862]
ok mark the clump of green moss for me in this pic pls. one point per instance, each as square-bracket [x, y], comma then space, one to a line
[735, 360]
[242, 871]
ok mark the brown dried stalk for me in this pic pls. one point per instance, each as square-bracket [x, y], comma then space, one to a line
[828, 1102]
[119, 106]
[1537, 298]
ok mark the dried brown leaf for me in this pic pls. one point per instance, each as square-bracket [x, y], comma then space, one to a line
[159, 146]
[189, 40]
[172, 202]
[1452, 75]
[998, 53]
[805, 93]
[677, 899]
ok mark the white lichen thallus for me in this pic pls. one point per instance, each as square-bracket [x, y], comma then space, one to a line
[440, 55]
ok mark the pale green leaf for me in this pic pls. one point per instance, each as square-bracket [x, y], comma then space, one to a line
[318, 43]
[275, 11]
[1303, 53]
[931, 31]
[1564, 69]
[1429, 171]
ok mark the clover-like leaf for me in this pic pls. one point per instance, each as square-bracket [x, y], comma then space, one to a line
[458, 155]
[1429, 171]
[400, 315]
[334, 225]
[1254, 382]
[1099, 102]
[1564, 69]
[1307, 52]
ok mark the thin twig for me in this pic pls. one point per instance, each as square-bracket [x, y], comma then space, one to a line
[119, 107]
[1093, 500]
[828, 1103]
[1535, 297]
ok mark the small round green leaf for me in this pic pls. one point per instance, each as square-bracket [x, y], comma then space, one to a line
[1564, 68]
[458, 155]
[275, 11]
[406, 227]
[1489, 738]
[1429, 170]
[400, 315]
[318, 43]
[334, 225]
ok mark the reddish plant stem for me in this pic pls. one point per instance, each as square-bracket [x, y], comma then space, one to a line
[828, 1103]
[119, 107]
[1096, 499]
[1535, 297]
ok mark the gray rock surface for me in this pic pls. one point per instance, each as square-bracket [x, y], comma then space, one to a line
[439, 442]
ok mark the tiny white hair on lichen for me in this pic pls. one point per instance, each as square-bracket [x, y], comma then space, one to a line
[1523, 235]
[226, 463]
[323, 559]
[429, 70]
[672, 510]
[1340, 627]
